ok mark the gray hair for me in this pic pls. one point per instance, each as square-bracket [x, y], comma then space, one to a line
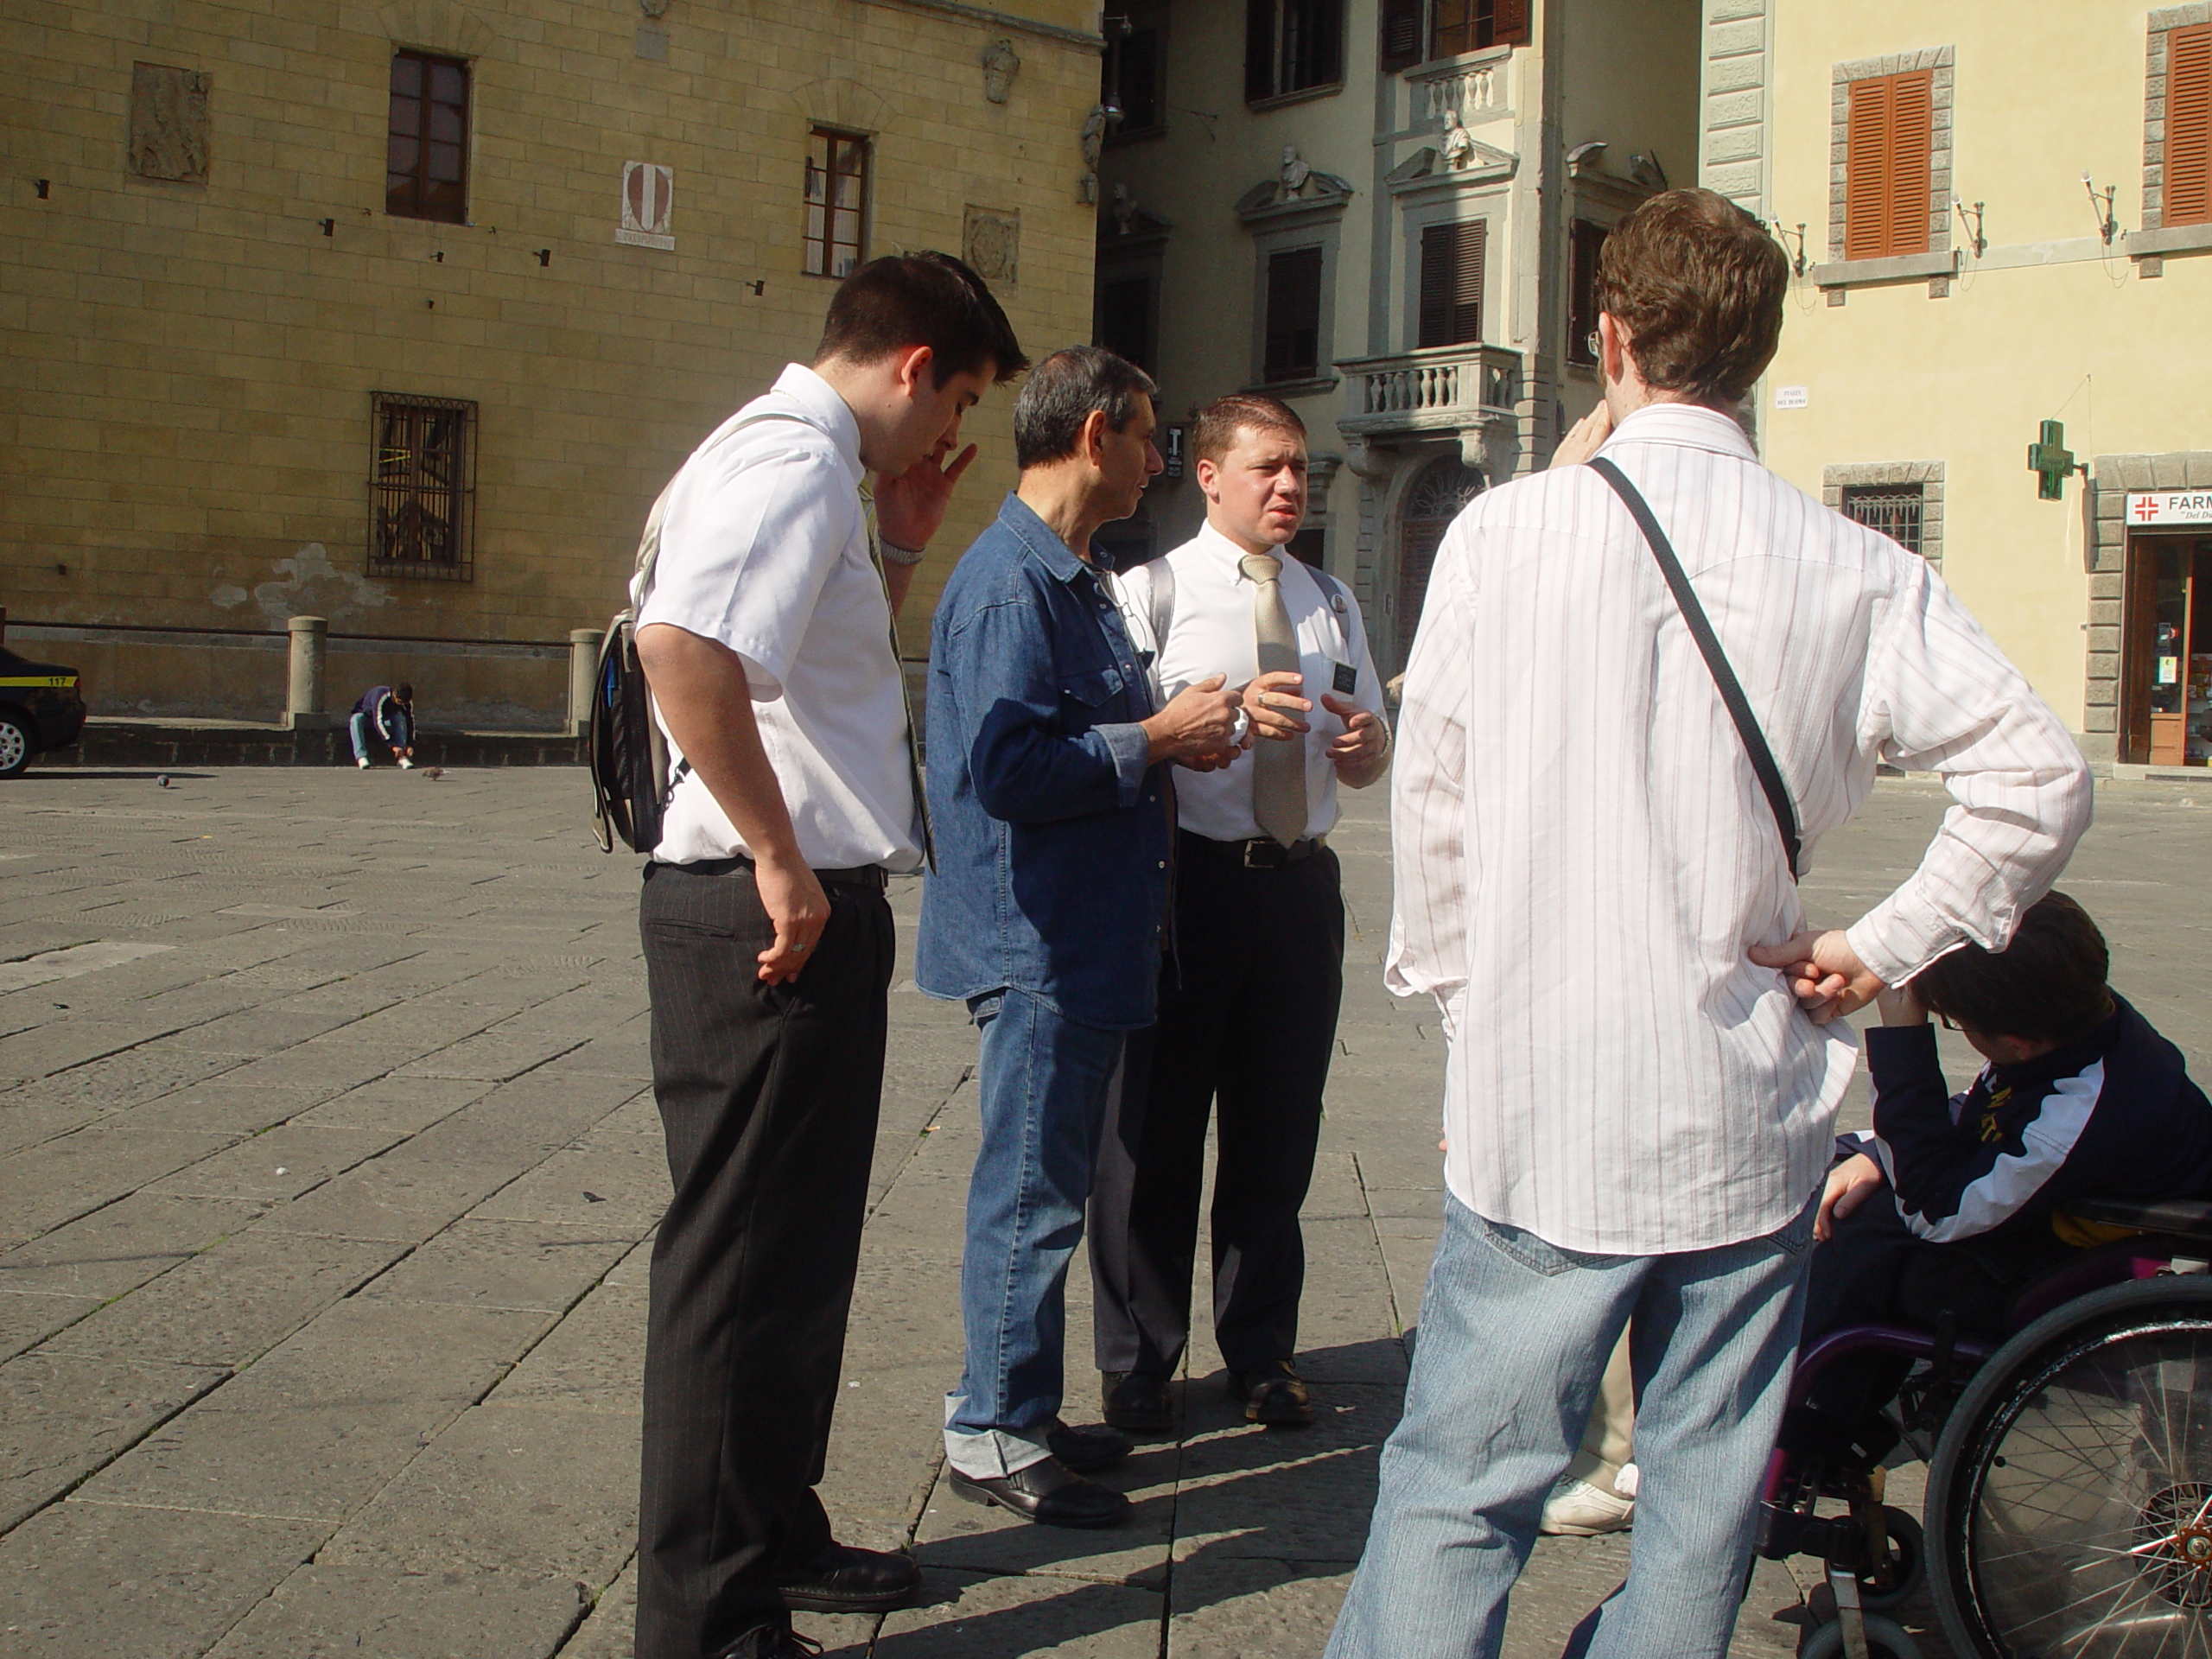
[1061, 392]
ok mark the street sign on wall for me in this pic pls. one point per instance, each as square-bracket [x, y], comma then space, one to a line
[2154, 509]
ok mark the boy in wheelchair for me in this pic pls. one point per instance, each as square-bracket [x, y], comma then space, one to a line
[1955, 1204]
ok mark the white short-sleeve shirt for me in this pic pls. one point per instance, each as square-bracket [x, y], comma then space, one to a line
[764, 549]
[1211, 631]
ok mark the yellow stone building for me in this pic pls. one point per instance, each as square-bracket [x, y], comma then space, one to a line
[400, 316]
[2000, 216]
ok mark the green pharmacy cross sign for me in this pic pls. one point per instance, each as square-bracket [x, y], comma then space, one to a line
[2050, 460]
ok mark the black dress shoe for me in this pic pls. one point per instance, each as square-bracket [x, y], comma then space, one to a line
[1046, 1491]
[1082, 1450]
[844, 1580]
[1272, 1395]
[1136, 1401]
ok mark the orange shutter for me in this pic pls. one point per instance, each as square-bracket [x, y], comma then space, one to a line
[1888, 148]
[2188, 126]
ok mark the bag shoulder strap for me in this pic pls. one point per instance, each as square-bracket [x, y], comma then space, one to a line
[1339, 603]
[641, 578]
[1716, 660]
[1161, 576]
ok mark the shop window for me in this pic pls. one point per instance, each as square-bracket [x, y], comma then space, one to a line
[1294, 323]
[1451, 258]
[836, 203]
[426, 151]
[2187, 181]
[1892, 510]
[1292, 46]
[1889, 153]
[2167, 667]
[1583, 239]
[421, 487]
[1125, 319]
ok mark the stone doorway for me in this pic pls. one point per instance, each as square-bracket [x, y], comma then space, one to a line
[1435, 497]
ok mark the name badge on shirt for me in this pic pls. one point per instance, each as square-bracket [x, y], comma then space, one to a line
[1347, 679]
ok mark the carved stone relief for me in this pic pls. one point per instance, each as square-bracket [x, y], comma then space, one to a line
[168, 122]
[1000, 65]
[991, 243]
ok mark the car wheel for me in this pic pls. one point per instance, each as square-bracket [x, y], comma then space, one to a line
[15, 745]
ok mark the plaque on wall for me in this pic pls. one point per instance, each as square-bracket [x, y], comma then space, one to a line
[648, 205]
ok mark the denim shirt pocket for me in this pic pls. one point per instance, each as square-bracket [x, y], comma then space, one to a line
[1089, 690]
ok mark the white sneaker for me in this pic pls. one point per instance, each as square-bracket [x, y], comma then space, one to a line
[1578, 1510]
[405, 765]
[362, 761]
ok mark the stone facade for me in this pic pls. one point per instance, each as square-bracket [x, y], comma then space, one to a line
[204, 290]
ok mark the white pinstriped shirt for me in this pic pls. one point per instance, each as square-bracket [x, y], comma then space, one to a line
[1584, 857]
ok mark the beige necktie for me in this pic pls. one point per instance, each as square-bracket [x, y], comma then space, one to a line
[1278, 767]
[923, 828]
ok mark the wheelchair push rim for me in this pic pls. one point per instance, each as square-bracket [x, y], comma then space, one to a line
[2072, 1491]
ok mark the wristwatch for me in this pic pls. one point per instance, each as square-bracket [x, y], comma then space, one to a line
[891, 553]
[1243, 725]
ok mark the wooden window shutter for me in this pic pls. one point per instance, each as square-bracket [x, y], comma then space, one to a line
[1452, 282]
[1293, 336]
[1259, 50]
[1510, 23]
[2188, 189]
[1399, 47]
[1888, 150]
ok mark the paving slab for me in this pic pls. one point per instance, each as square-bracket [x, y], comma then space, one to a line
[973, 1617]
[509, 1264]
[90, 1580]
[64, 1416]
[325, 1611]
[124, 1244]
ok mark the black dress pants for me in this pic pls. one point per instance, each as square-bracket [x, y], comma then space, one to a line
[1247, 1020]
[769, 1097]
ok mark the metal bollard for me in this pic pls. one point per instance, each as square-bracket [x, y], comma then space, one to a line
[583, 667]
[303, 699]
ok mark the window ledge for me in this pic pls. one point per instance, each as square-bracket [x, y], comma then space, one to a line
[2171, 238]
[1303, 95]
[1902, 268]
[1312, 387]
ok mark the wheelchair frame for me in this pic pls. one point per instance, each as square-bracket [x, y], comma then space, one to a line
[1875, 1555]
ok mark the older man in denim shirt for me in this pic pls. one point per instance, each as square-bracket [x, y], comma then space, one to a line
[1052, 812]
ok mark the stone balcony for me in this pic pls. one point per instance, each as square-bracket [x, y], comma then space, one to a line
[1437, 390]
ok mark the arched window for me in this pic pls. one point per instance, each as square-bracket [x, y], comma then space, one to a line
[1435, 499]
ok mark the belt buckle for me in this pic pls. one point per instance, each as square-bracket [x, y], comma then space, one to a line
[1264, 844]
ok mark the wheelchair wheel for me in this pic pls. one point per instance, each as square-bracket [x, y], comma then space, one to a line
[2070, 1497]
[1884, 1641]
[1908, 1563]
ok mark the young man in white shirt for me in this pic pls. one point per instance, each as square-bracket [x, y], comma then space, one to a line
[1595, 887]
[767, 639]
[1248, 1005]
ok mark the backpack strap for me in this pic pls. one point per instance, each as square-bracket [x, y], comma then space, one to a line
[1161, 577]
[1716, 660]
[1339, 601]
[641, 577]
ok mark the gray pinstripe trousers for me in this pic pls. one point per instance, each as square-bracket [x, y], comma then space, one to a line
[768, 1097]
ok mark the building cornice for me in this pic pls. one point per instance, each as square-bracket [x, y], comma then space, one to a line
[983, 17]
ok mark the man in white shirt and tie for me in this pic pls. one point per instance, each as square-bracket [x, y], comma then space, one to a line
[1248, 1002]
[1593, 884]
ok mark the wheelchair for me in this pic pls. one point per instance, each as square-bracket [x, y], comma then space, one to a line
[2068, 1513]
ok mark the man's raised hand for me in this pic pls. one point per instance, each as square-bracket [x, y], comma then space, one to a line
[910, 507]
[1825, 974]
[1273, 704]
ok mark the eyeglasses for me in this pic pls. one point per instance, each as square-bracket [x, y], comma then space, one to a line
[1947, 1022]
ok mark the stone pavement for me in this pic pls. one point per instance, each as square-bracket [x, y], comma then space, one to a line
[327, 1169]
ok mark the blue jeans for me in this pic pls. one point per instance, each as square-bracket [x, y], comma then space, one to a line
[1514, 1336]
[402, 733]
[1044, 1082]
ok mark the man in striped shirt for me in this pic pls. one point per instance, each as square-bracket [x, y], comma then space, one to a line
[1644, 1059]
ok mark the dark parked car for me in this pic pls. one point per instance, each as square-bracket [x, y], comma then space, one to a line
[40, 708]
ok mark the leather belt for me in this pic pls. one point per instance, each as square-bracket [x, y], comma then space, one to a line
[873, 877]
[1261, 853]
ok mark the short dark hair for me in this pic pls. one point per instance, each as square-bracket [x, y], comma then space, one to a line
[1059, 395]
[2047, 986]
[1214, 434]
[1698, 285]
[404, 691]
[921, 299]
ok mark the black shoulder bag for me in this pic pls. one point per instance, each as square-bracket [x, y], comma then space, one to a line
[1708, 645]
